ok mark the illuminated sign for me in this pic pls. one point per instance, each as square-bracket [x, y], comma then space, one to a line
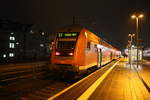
[70, 34]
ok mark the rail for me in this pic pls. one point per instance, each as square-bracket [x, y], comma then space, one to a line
[16, 72]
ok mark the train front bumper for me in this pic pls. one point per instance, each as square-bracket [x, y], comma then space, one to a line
[64, 68]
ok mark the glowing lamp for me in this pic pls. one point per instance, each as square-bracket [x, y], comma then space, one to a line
[133, 16]
[71, 54]
[141, 16]
[57, 53]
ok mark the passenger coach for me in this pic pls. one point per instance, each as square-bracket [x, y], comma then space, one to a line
[76, 49]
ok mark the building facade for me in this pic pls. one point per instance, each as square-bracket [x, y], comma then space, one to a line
[22, 43]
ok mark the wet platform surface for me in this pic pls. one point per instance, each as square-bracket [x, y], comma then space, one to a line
[123, 82]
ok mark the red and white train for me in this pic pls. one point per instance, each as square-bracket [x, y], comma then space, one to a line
[76, 49]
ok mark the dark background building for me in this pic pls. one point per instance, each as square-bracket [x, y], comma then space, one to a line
[22, 43]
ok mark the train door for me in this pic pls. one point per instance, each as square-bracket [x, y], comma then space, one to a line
[99, 57]
[111, 55]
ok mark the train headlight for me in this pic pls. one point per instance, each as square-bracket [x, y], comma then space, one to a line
[57, 53]
[71, 54]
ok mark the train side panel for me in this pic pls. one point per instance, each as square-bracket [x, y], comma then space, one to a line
[80, 50]
[106, 56]
[91, 50]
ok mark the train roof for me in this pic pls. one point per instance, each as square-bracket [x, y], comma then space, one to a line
[78, 28]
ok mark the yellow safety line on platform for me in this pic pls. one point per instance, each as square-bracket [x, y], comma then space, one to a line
[66, 89]
[93, 87]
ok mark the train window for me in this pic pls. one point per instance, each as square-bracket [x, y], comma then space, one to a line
[95, 48]
[66, 45]
[88, 46]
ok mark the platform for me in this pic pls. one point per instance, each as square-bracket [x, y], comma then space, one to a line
[116, 81]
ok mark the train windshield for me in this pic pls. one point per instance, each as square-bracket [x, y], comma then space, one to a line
[66, 40]
[66, 45]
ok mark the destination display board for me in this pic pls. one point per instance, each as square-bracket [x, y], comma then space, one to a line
[67, 34]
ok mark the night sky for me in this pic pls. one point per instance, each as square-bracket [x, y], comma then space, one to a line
[108, 18]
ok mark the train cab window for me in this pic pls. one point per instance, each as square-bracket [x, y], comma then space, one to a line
[66, 45]
[95, 48]
[88, 46]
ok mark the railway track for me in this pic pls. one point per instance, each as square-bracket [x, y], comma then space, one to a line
[33, 87]
[28, 82]
[17, 72]
[46, 92]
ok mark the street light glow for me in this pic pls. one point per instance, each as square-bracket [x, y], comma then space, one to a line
[131, 35]
[141, 16]
[133, 16]
[137, 16]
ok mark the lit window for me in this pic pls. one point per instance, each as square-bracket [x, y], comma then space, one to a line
[88, 46]
[41, 45]
[31, 31]
[11, 33]
[11, 54]
[17, 43]
[12, 38]
[43, 33]
[11, 45]
[4, 55]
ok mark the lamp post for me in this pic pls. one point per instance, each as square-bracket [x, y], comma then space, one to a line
[129, 51]
[137, 17]
[131, 36]
[130, 47]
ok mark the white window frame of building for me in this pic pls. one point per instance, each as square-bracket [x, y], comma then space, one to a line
[43, 33]
[12, 33]
[17, 43]
[12, 38]
[11, 54]
[4, 55]
[11, 45]
[41, 45]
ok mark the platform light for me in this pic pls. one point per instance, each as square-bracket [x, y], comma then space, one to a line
[133, 16]
[141, 16]
[137, 16]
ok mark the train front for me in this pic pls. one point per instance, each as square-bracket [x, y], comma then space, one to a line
[63, 54]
